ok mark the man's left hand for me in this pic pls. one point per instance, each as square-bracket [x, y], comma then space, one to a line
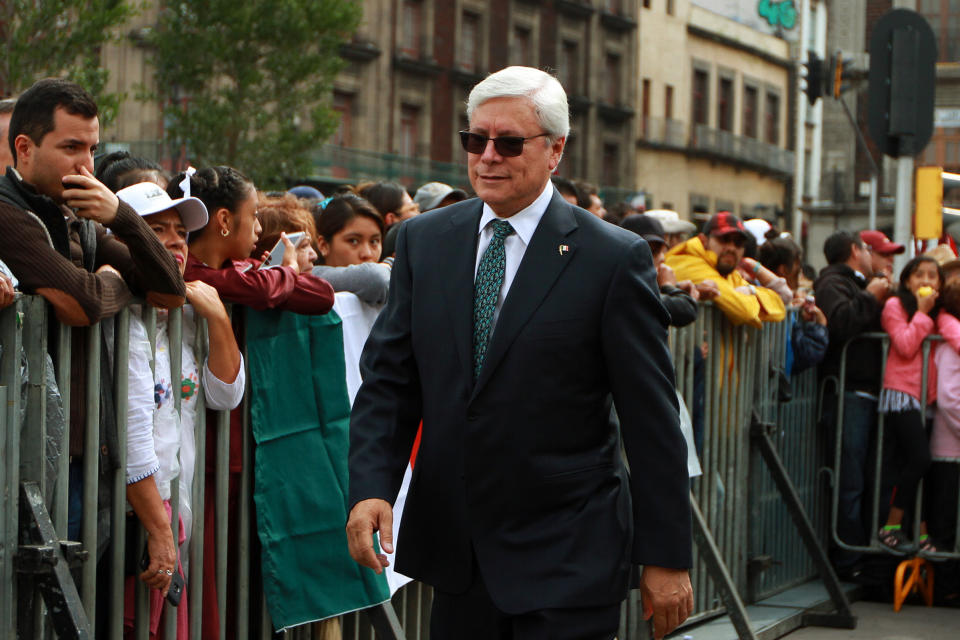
[667, 597]
[89, 197]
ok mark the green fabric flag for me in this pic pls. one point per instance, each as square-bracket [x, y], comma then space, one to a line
[300, 415]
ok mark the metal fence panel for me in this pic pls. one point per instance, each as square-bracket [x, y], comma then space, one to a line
[736, 494]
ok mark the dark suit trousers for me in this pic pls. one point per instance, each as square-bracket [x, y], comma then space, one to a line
[472, 615]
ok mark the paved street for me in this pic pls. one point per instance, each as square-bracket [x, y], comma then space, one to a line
[879, 622]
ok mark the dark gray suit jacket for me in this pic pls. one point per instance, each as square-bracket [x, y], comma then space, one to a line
[523, 468]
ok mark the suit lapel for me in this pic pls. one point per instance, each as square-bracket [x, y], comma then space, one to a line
[549, 252]
[459, 240]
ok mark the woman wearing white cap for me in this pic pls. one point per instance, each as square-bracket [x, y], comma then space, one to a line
[155, 432]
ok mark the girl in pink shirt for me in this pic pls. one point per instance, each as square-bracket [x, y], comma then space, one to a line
[941, 482]
[908, 318]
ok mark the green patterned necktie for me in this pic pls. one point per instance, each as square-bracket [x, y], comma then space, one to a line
[486, 291]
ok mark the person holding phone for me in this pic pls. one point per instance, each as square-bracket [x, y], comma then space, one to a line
[368, 279]
[160, 442]
[219, 255]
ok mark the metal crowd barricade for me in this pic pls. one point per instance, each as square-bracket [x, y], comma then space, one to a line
[25, 331]
[876, 455]
[736, 497]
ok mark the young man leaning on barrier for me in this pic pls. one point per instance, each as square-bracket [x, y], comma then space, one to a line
[53, 213]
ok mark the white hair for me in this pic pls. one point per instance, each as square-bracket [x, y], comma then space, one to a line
[542, 89]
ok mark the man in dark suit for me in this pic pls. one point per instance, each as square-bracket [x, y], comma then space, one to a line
[513, 321]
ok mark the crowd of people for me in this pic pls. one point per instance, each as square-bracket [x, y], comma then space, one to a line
[91, 239]
[860, 294]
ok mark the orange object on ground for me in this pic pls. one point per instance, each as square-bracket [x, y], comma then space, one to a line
[919, 579]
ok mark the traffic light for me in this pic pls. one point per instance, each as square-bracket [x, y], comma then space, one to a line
[812, 78]
[928, 212]
[838, 67]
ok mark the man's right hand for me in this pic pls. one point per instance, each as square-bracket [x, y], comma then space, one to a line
[879, 287]
[708, 290]
[106, 268]
[367, 517]
[90, 197]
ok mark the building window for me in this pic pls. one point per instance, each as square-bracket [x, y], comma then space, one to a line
[522, 48]
[671, 10]
[726, 205]
[944, 19]
[646, 4]
[612, 92]
[668, 102]
[611, 163]
[613, 6]
[469, 46]
[410, 16]
[343, 105]
[725, 104]
[409, 125]
[750, 103]
[771, 118]
[701, 97]
[699, 204]
[570, 67]
[951, 156]
[645, 106]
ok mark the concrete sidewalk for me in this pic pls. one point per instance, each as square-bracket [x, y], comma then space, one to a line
[877, 621]
[783, 616]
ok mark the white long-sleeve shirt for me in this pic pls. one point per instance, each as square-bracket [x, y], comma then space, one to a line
[155, 434]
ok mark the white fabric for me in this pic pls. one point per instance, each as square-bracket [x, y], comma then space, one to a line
[155, 433]
[141, 457]
[686, 428]
[893, 401]
[358, 318]
[524, 223]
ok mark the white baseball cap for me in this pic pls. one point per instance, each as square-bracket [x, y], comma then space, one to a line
[147, 198]
[671, 221]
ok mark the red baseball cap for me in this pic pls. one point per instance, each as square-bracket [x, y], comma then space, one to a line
[722, 223]
[879, 243]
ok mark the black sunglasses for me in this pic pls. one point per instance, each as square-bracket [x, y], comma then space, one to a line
[506, 146]
[737, 239]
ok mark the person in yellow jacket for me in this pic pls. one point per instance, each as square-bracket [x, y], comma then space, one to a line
[717, 255]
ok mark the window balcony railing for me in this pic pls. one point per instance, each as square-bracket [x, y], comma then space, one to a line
[749, 151]
[664, 132]
[353, 165]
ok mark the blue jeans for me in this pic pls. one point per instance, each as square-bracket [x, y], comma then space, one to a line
[853, 509]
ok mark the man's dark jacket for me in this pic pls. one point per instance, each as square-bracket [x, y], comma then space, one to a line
[523, 468]
[850, 310]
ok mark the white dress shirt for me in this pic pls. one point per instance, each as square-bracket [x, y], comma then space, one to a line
[524, 223]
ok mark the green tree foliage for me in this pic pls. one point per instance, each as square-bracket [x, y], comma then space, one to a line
[249, 84]
[59, 38]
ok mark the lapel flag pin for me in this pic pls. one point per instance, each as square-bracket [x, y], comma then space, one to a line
[563, 249]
